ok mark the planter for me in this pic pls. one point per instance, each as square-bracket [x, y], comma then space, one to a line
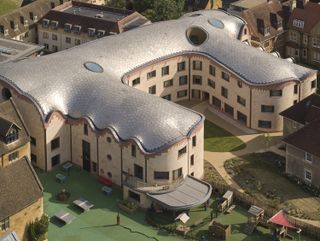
[127, 209]
[63, 195]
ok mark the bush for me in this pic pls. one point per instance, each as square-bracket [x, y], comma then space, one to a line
[37, 230]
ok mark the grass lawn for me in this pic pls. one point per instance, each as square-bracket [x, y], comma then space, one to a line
[7, 6]
[217, 139]
[261, 175]
[98, 223]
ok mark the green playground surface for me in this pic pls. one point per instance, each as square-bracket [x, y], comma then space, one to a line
[100, 222]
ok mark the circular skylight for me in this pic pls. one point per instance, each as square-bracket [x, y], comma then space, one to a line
[93, 67]
[216, 23]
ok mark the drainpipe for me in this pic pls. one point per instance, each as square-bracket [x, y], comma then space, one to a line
[98, 162]
[71, 154]
[145, 170]
[250, 124]
[189, 77]
[45, 150]
[121, 163]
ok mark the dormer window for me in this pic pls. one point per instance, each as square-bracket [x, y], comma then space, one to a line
[45, 23]
[67, 27]
[31, 15]
[54, 24]
[21, 19]
[25, 23]
[298, 23]
[35, 18]
[262, 27]
[76, 29]
[100, 33]
[91, 32]
[12, 136]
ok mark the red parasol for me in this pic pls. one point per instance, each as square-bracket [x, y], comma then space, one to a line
[280, 219]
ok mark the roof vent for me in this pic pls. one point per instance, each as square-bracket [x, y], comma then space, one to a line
[195, 15]
[196, 35]
[93, 67]
[99, 15]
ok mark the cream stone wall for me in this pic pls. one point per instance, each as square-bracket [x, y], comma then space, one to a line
[22, 151]
[19, 220]
[56, 128]
[254, 97]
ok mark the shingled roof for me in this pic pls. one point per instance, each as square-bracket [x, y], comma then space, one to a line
[309, 14]
[20, 187]
[305, 111]
[310, 131]
[10, 116]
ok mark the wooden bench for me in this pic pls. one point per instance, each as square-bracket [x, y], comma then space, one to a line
[106, 190]
[67, 166]
[105, 181]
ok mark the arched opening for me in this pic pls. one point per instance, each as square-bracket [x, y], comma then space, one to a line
[6, 94]
[196, 35]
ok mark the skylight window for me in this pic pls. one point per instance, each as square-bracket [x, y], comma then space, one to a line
[216, 23]
[93, 67]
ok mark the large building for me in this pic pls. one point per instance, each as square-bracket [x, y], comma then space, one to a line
[303, 35]
[21, 198]
[74, 23]
[301, 135]
[98, 106]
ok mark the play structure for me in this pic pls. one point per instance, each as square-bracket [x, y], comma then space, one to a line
[256, 215]
[279, 226]
[219, 230]
[226, 202]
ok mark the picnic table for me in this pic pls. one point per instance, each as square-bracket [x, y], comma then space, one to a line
[64, 216]
[82, 203]
[107, 190]
[61, 178]
[67, 166]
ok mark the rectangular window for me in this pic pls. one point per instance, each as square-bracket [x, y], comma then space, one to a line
[54, 37]
[33, 141]
[167, 97]
[192, 160]
[134, 196]
[165, 70]
[308, 175]
[212, 70]
[13, 156]
[275, 93]
[85, 129]
[133, 151]
[264, 124]
[152, 89]
[168, 83]
[241, 117]
[55, 143]
[12, 136]
[138, 171]
[197, 79]
[194, 141]
[295, 89]
[225, 76]
[55, 160]
[267, 108]
[5, 224]
[313, 84]
[216, 102]
[33, 158]
[161, 175]
[211, 83]
[182, 151]
[228, 109]
[308, 157]
[224, 92]
[151, 74]
[77, 41]
[197, 65]
[182, 93]
[94, 167]
[45, 35]
[136, 81]
[181, 66]
[176, 173]
[183, 80]
[241, 100]
[68, 40]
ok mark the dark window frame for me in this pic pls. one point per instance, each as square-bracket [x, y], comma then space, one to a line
[55, 143]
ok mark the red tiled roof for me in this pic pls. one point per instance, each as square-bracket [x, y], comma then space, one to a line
[310, 14]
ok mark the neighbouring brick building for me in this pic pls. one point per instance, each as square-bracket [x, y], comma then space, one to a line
[75, 23]
[21, 192]
[301, 135]
[303, 35]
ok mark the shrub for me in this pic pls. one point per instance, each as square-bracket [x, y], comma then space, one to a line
[37, 230]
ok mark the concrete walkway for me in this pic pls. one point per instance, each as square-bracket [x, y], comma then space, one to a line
[255, 142]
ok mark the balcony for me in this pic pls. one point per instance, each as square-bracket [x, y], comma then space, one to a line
[139, 185]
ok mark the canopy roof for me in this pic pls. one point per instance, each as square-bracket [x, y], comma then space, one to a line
[190, 193]
[280, 219]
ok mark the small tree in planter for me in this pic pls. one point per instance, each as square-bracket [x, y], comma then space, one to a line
[128, 206]
[38, 229]
[63, 195]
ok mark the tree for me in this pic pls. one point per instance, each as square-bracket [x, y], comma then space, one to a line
[37, 230]
[117, 3]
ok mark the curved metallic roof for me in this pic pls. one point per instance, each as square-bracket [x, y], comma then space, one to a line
[60, 82]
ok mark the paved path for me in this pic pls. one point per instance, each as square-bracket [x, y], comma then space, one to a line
[255, 142]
